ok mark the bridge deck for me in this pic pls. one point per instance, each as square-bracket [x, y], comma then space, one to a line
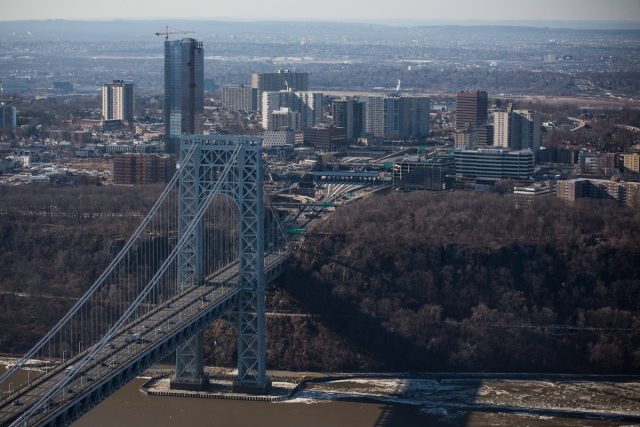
[151, 330]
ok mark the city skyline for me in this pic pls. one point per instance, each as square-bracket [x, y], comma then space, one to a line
[414, 11]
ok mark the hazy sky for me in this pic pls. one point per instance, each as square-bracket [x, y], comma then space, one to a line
[334, 10]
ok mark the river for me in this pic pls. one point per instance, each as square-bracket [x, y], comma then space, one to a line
[130, 407]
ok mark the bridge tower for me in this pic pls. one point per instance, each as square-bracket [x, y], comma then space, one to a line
[243, 185]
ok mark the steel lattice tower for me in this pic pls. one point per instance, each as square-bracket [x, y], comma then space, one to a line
[244, 186]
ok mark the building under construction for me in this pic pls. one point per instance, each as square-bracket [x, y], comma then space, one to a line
[139, 169]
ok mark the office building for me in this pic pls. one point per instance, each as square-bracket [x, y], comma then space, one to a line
[241, 98]
[138, 169]
[471, 114]
[307, 104]
[117, 101]
[494, 164]
[279, 138]
[183, 90]
[471, 109]
[623, 193]
[434, 174]
[348, 114]
[8, 117]
[325, 138]
[396, 118]
[517, 130]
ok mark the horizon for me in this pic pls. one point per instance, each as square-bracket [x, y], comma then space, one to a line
[413, 12]
[575, 24]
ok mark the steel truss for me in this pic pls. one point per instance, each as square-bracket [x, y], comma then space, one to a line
[243, 184]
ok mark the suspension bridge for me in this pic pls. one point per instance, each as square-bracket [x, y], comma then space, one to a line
[205, 251]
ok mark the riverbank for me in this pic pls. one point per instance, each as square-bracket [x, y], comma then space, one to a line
[448, 395]
[590, 396]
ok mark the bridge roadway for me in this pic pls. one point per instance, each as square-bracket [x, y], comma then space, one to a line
[161, 331]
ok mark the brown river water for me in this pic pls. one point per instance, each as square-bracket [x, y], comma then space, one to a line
[130, 407]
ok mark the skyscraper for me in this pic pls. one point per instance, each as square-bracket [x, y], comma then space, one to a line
[471, 109]
[414, 117]
[471, 115]
[183, 90]
[7, 117]
[349, 114]
[117, 101]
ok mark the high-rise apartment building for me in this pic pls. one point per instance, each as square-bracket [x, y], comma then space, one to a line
[374, 115]
[8, 118]
[183, 90]
[117, 101]
[414, 117]
[394, 117]
[284, 119]
[280, 80]
[517, 129]
[348, 114]
[240, 98]
[307, 104]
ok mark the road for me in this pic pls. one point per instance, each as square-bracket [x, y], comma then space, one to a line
[131, 343]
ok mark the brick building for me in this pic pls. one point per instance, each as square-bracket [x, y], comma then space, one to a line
[135, 168]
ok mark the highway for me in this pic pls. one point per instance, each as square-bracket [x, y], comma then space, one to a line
[157, 330]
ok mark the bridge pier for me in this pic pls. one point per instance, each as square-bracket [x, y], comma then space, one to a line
[190, 366]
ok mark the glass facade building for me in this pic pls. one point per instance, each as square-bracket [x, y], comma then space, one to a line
[183, 90]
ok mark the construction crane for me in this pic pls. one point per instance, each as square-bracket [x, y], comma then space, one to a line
[166, 33]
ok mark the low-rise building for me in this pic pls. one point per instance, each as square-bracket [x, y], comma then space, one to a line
[135, 168]
[424, 174]
[494, 165]
[624, 193]
[326, 138]
[277, 138]
[632, 162]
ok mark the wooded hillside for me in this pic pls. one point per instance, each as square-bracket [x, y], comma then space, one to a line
[403, 282]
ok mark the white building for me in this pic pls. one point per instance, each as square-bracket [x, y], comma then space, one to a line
[307, 104]
[278, 138]
[517, 130]
[117, 101]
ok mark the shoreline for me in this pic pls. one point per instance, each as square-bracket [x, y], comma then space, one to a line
[611, 397]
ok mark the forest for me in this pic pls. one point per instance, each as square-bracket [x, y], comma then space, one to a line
[454, 281]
